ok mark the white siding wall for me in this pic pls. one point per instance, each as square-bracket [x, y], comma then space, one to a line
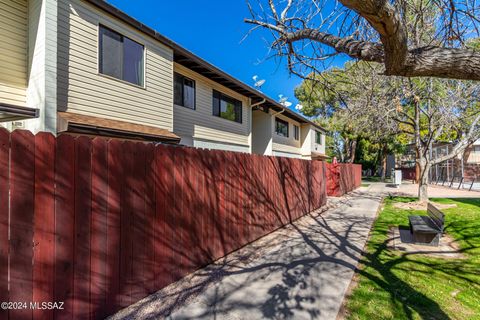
[81, 89]
[261, 133]
[42, 64]
[318, 147]
[283, 144]
[201, 124]
[13, 51]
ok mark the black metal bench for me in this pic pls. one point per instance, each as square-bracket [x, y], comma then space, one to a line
[427, 230]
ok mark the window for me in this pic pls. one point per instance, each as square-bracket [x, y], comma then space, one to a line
[121, 57]
[318, 137]
[226, 107]
[296, 132]
[281, 127]
[184, 91]
[476, 149]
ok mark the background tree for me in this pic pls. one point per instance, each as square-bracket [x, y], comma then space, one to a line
[333, 96]
[395, 110]
[408, 37]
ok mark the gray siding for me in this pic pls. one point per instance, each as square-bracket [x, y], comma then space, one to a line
[81, 89]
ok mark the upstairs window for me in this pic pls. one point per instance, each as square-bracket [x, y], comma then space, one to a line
[184, 91]
[318, 137]
[296, 132]
[121, 57]
[226, 107]
[281, 127]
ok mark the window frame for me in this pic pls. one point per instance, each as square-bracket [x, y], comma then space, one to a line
[284, 122]
[296, 132]
[222, 96]
[175, 76]
[100, 55]
[318, 134]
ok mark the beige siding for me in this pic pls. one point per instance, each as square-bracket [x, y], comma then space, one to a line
[474, 155]
[284, 144]
[200, 123]
[13, 51]
[83, 90]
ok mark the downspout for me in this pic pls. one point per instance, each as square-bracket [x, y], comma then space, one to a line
[258, 103]
[279, 112]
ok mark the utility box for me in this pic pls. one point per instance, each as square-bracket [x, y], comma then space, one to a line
[397, 178]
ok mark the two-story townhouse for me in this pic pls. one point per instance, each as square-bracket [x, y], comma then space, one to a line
[85, 67]
[281, 132]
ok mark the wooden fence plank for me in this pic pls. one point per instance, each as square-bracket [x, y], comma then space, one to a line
[114, 191]
[210, 204]
[4, 190]
[150, 202]
[165, 263]
[83, 207]
[44, 233]
[98, 236]
[139, 224]
[21, 220]
[181, 249]
[64, 224]
[126, 226]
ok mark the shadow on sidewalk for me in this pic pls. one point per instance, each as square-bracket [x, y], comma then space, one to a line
[298, 253]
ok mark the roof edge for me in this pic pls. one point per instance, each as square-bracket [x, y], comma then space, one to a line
[119, 14]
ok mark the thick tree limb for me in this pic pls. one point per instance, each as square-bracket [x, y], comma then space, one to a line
[392, 51]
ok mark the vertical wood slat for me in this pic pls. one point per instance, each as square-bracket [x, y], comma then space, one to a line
[21, 220]
[126, 198]
[139, 223]
[190, 254]
[180, 224]
[210, 205]
[98, 239]
[83, 207]
[150, 177]
[64, 223]
[4, 190]
[165, 263]
[114, 192]
[44, 232]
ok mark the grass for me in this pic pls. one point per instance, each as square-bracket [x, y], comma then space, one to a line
[372, 179]
[365, 185]
[396, 285]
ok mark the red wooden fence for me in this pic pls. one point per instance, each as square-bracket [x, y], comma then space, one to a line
[99, 224]
[343, 178]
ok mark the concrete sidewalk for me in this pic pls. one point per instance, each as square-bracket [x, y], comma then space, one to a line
[301, 271]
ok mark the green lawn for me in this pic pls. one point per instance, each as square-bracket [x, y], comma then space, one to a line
[371, 179]
[396, 285]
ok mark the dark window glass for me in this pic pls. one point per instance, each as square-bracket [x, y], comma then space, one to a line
[281, 127]
[227, 107]
[178, 89]
[133, 62]
[121, 57]
[184, 91]
[111, 53]
[296, 132]
[318, 137]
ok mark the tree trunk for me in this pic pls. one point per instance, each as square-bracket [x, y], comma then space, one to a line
[384, 168]
[423, 167]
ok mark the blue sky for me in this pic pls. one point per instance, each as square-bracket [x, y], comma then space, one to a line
[213, 30]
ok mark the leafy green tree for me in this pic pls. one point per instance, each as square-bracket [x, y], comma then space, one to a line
[391, 111]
